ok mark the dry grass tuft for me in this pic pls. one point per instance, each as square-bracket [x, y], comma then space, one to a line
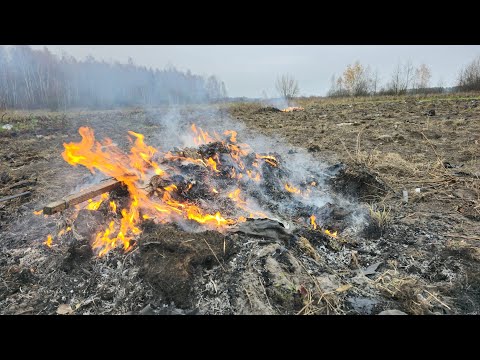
[380, 215]
[412, 294]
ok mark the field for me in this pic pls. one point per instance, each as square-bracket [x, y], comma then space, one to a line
[421, 255]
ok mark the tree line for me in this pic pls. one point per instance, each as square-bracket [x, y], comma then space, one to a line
[32, 79]
[360, 80]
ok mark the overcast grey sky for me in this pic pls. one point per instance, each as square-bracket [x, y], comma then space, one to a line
[248, 70]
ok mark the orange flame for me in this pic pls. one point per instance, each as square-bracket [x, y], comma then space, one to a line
[134, 168]
[232, 134]
[268, 159]
[293, 108]
[212, 164]
[291, 189]
[253, 177]
[312, 222]
[334, 234]
[49, 240]
[131, 169]
[141, 154]
[64, 231]
[201, 137]
[235, 196]
[39, 212]
[94, 205]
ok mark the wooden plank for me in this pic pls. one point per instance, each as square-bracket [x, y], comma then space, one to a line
[6, 198]
[81, 196]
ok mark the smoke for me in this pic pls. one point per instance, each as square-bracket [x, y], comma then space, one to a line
[302, 168]
[279, 103]
[39, 79]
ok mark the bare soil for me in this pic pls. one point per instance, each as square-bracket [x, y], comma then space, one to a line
[421, 256]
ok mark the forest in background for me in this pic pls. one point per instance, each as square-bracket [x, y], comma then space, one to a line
[36, 79]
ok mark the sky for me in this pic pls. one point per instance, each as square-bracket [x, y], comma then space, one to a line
[251, 70]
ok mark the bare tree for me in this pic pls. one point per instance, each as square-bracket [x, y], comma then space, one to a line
[356, 80]
[333, 86]
[287, 86]
[422, 78]
[401, 79]
[375, 82]
[408, 75]
[395, 82]
[469, 76]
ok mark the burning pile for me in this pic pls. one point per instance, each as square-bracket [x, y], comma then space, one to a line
[292, 108]
[218, 183]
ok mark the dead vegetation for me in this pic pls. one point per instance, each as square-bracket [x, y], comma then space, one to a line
[421, 256]
[432, 158]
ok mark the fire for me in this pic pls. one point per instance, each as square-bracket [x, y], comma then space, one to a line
[293, 108]
[39, 212]
[326, 231]
[268, 159]
[64, 231]
[212, 164]
[170, 202]
[291, 189]
[334, 234]
[141, 154]
[232, 134]
[235, 196]
[208, 219]
[94, 205]
[131, 170]
[255, 177]
[49, 240]
[201, 137]
[170, 188]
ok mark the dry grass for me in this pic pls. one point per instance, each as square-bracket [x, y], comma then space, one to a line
[412, 294]
[306, 101]
[242, 107]
[380, 215]
[359, 157]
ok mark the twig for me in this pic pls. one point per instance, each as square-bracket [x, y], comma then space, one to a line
[463, 236]
[264, 291]
[130, 253]
[346, 149]
[26, 193]
[322, 294]
[214, 254]
[442, 303]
